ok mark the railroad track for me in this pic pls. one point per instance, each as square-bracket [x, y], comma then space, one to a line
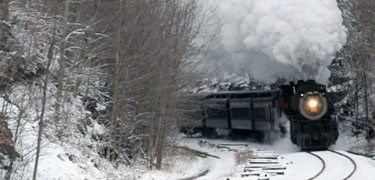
[200, 154]
[203, 173]
[323, 161]
[351, 160]
[323, 166]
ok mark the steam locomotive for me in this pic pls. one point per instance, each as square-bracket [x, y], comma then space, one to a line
[259, 114]
[310, 111]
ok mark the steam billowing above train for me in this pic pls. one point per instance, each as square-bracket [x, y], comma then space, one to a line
[291, 35]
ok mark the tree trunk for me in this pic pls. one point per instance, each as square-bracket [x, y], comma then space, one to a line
[4, 29]
[60, 74]
[116, 79]
[41, 120]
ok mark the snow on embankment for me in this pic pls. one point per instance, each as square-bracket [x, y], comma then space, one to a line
[68, 155]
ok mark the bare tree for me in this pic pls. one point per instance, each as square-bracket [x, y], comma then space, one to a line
[62, 61]
[4, 29]
[138, 51]
[151, 59]
[44, 99]
[364, 46]
[356, 61]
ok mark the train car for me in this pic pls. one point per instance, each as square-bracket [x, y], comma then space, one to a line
[258, 113]
[242, 113]
[310, 112]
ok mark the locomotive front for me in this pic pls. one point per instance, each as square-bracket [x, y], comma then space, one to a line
[312, 102]
[312, 125]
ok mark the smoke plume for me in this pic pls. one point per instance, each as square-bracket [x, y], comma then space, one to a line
[298, 37]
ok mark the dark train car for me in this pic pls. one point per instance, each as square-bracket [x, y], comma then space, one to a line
[258, 114]
[310, 112]
[242, 113]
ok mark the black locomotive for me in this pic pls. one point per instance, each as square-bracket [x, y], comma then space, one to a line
[259, 114]
[310, 111]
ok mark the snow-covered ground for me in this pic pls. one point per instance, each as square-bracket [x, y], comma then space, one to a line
[79, 160]
[299, 165]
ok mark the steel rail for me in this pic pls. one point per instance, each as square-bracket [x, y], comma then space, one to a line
[323, 165]
[351, 160]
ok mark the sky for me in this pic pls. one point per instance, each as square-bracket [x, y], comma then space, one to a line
[296, 39]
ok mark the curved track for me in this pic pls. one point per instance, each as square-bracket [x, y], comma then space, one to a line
[200, 154]
[197, 176]
[324, 164]
[351, 160]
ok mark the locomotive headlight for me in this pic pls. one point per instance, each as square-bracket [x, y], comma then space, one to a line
[313, 107]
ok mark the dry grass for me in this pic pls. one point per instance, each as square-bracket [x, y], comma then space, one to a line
[181, 152]
[243, 156]
[175, 154]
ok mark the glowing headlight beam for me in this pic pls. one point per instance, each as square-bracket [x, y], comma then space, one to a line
[313, 107]
[312, 103]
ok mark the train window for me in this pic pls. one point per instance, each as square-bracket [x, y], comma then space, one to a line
[220, 115]
[260, 113]
[216, 113]
[240, 113]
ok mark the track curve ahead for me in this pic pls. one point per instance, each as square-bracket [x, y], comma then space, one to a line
[322, 156]
[200, 154]
[323, 165]
[353, 162]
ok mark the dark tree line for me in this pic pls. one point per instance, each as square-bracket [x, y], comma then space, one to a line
[135, 57]
[150, 57]
[353, 68]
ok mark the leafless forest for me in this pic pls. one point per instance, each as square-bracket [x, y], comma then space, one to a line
[128, 65]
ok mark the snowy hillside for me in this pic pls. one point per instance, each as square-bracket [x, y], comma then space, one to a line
[96, 90]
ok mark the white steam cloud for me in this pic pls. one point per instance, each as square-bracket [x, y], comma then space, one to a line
[302, 34]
